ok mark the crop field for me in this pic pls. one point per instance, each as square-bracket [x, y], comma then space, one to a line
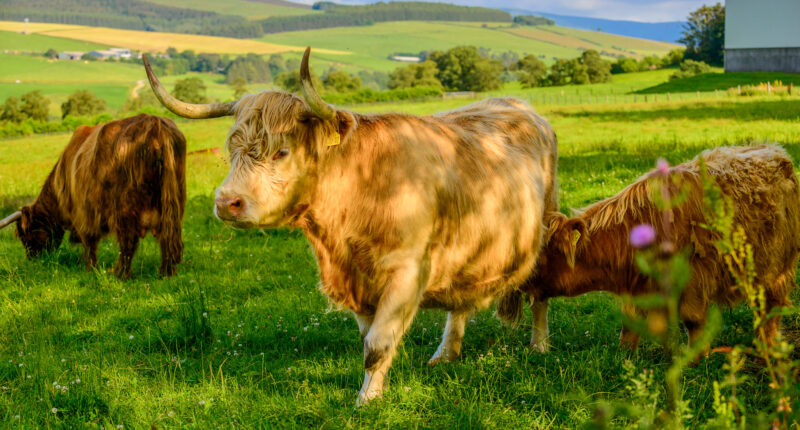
[151, 41]
[242, 338]
[245, 8]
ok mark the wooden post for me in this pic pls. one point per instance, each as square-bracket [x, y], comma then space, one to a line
[769, 88]
[668, 99]
[716, 93]
[698, 94]
[739, 89]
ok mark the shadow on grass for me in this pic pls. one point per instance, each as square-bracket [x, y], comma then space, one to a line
[779, 109]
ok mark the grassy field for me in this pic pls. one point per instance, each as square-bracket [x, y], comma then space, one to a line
[12, 41]
[242, 338]
[150, 41]
[245, 8]
[370, 46]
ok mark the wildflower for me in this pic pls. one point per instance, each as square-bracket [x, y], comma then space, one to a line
[130, 337]
[642, 236]
[202, 402]
[663, 166]
[54, 410]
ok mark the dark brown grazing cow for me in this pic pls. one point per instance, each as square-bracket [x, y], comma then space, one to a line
[402, 211]
[591, 252]
[124, 177]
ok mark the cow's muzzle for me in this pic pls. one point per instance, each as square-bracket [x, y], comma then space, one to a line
[229, 208]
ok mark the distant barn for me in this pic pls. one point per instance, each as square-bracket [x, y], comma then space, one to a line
[762, 36]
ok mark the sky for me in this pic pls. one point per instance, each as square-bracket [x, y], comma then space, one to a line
[633, 10]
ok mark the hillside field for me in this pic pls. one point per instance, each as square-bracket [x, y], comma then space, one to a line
[246, 8]
[242, 338]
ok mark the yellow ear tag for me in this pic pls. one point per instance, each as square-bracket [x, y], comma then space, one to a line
[336, 140]
[576, 236]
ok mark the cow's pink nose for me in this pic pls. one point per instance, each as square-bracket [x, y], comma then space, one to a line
[229, 207]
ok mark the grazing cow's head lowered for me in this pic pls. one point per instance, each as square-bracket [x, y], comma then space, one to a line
[37, 233]
[274, 145]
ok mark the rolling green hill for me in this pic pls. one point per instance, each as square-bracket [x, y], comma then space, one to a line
[370, 46]
[245, 8]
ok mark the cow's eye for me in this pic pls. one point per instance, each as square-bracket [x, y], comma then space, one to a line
[280, 154]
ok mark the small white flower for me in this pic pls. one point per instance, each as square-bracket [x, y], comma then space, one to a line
[63, 360]
[202, 402]
[205, 314]
[78, 381]
[130, 337]
[54, 410]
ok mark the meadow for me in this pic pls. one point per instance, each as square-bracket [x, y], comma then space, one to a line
[241, 337]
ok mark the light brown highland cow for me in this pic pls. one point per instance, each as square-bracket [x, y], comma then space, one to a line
[763, 187]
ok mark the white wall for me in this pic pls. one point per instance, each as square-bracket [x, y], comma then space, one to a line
[762, 24]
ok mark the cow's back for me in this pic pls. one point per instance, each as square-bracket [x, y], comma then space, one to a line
[116, 168]
[505, 180]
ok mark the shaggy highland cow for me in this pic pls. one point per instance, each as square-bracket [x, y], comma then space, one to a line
[402, 211]
[124, 177]
[590, 252]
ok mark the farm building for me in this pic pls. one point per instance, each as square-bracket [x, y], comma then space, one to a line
[762, 36]
[111, 53]
[70, 55]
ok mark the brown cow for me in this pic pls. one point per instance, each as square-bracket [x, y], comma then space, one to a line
[590, 252]
[401, 211]
[125, 177]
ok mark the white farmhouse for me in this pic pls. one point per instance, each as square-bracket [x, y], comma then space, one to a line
[762, 36]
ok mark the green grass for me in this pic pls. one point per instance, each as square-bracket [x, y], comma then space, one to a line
[371, 45]
[270, 352]
[245, 8]
[38, 43]
[721, 81]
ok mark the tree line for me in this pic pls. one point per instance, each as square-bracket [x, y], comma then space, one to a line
[336, 15]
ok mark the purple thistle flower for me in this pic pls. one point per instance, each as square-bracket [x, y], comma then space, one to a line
[642, 236]
[663, 166]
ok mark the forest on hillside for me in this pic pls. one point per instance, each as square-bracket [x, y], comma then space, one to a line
[337, 15]
[143, 15]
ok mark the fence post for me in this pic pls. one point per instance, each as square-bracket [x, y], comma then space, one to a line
[655, 98]
[668, 98]
[769, 88]
[634, 98]
[789, 88]
[716, 93]
[739, 89]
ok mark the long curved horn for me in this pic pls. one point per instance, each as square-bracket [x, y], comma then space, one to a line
[187, 110]
[11, 218]
[315, 102]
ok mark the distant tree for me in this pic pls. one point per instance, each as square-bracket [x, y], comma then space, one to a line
[704, 35]
[290, 81]
[88, 57]
[144, 97]
[625, 65]
[172, 52]
[51, 53]
[532, 71]
[82, 103]
[578, 72]
[191, 90]
[251, 67]
[598, 69]
[341, 82]
[35, 106]
[377, 80]
[690, 68]
[532, 20]
[464, 68]
[12, 111]
[560, 72]
[239, 87]
[415, 75]
[277, 64]
[673, 58]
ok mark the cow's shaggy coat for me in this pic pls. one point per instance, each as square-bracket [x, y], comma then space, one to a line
[124, 177]
[760, 182]
[401, 211]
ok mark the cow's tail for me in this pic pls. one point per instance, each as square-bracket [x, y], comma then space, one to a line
[173, 194]
[510, 307]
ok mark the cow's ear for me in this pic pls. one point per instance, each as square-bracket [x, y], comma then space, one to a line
[573, 235]
[345, 123]
[25, 219]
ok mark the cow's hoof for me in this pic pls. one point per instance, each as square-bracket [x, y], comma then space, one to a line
[540, 347]
[365, 398]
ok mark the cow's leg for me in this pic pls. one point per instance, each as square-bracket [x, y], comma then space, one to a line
[540, 336]
[128, 242]
[90, 250]
[776, 294]
[395, 311]
[171, 247]
[364, 324]
[627, 337]
[450, 348]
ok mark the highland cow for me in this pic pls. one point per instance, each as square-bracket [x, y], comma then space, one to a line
[402, 211]
[124, 177]
[591, 251]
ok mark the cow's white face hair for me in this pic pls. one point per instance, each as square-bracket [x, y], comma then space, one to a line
[269, 154]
